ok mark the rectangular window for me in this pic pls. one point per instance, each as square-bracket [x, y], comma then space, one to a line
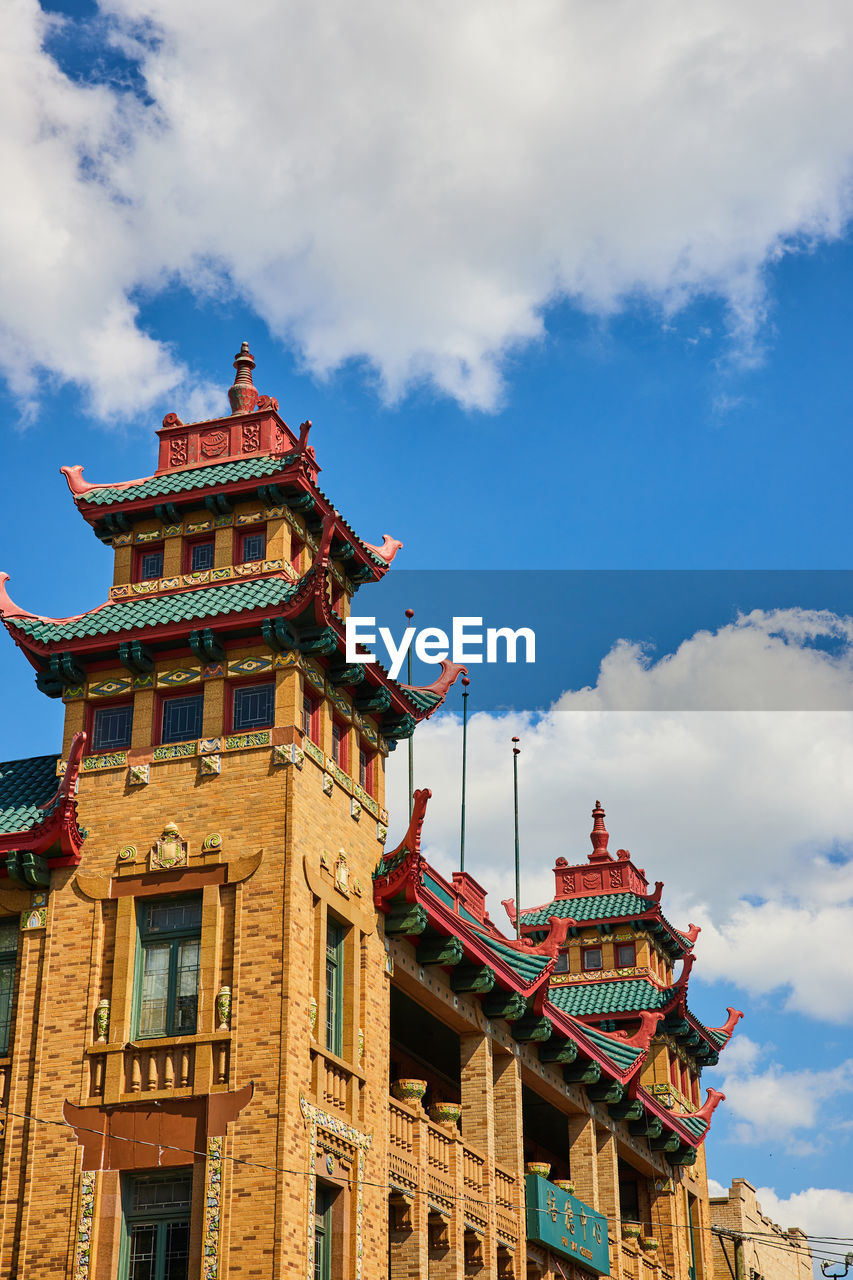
[626, 955]
[157, 1225]
[253, 546]
[149, 565]
[340, 745]
[310, 716]
[111, 727]
[323, 1232]
[201, 556]
[562, 965]
[253, 706]
[9, 929]
[335, 935]
[365, 769]
[182, 718]
[168, 963]
[591, 959]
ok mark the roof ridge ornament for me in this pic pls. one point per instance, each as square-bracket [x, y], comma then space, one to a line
[729, 1025]
[599, 836]
[243, 394]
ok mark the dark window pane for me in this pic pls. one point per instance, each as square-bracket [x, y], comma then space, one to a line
[175, 915]
[562, 965]
[143, 1251]
[182, 718]
[625, 955]
[254, 546]
[186, 1006]
[307, 715]
[150, 565]
[112, 728]
[253, 707]
[177, 1251]
[202, 556]
[592, 958]
[7, 992]
[9, 930]
[160, 1194]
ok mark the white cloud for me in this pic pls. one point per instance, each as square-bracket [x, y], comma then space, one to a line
[412, 184]
[746, 815]
[819, 1211]
[775, 1107]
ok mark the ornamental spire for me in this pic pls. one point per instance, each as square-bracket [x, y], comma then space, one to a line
[243, 394]
[599, 836]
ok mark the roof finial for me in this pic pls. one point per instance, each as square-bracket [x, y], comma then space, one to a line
[599, 836]
[243, 394]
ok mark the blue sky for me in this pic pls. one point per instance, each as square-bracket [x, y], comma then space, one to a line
[630, 362]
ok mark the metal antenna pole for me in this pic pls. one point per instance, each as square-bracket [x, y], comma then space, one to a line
[516, 751]
[410, 613]
[465, 683]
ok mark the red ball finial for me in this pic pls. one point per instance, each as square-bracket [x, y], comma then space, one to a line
[410, 613]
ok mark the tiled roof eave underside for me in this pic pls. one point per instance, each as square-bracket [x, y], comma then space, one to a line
[201, 604]
[195, 481]
[620, 1058]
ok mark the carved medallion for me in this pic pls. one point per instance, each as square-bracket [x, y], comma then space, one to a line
[169, 851]
[214, 443]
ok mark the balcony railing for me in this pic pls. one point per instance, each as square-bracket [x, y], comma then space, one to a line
[458, 1179]
[186, 1065]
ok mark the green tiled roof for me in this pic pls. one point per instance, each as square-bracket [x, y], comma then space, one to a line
[157, 611]
[423, 699]
[526, 966]
[624, 1055]
[630, 996]
[25, 785]
[719, 1037]
[185, 481]
[693, 1125]
[600, 906]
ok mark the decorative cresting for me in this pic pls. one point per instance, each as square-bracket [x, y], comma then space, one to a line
[85, 1218]
[318, 1120]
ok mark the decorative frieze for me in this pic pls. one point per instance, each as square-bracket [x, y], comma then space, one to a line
[85, 1218]
[320, 1124]
[212, 1209]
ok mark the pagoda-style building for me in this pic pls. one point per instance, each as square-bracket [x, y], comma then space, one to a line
[239, 1039]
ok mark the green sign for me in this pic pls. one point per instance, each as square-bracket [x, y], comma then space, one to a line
[565, 1225]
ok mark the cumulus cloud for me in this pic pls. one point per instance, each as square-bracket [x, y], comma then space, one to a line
[746, 815]
[819, 1211]
[411, 185]
[775, 1107]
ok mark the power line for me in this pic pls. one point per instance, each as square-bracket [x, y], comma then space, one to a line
[765, 1239]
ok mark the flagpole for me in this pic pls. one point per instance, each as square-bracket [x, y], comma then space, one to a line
[515, 754]
[410, 613]
[465, 683]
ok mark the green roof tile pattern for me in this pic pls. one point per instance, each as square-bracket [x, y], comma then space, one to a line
[718, 1037]
[185, 481]
[423, 699]
[526, 966]
[693, 1125]
[158, 611]
[600, 906]
[584, 999]
[25, 785]
[624, 1055]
